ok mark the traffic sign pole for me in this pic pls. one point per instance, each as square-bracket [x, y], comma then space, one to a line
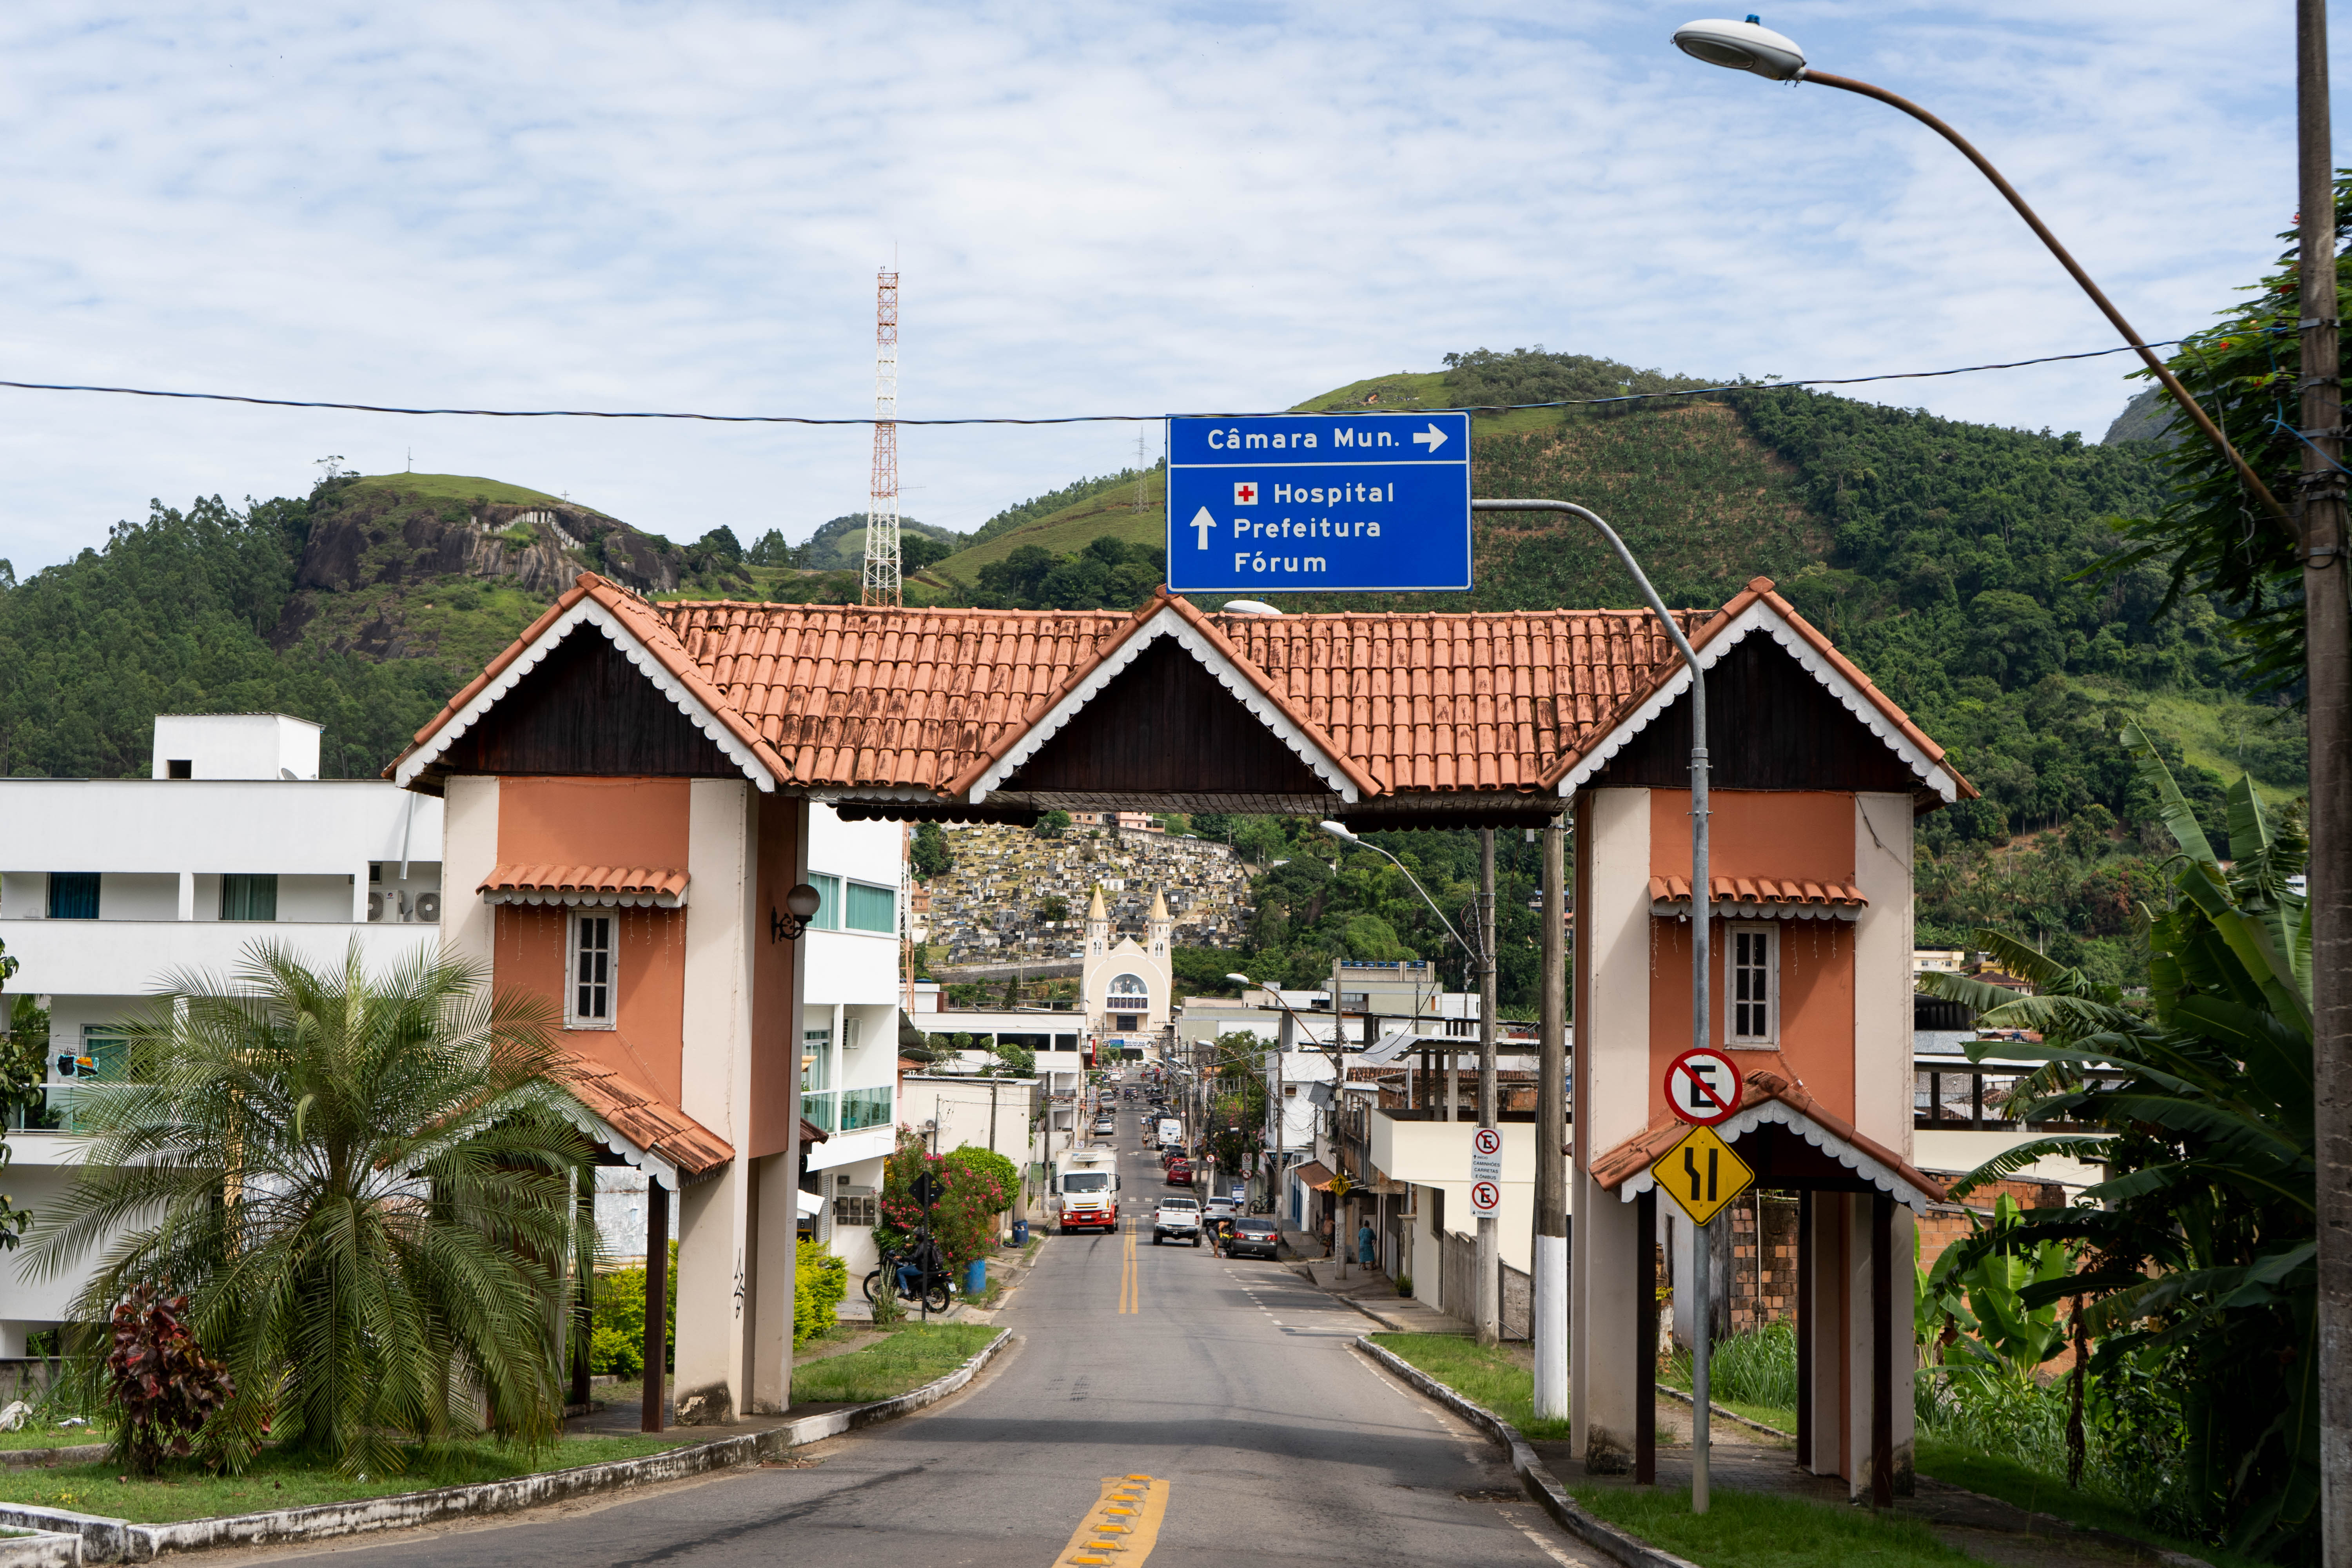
[1702, 1332]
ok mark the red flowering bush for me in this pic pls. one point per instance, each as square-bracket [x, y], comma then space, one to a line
[975, 1187]
[161, 1378]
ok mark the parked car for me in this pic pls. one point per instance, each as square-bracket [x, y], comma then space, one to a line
[1249, 1235]
[1179, 1172]
[1177, 1218]
[1104, 1127]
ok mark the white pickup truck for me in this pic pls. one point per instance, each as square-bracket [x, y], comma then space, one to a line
[1178, 1217]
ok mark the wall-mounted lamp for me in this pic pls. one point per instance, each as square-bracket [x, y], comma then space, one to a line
[800, 908]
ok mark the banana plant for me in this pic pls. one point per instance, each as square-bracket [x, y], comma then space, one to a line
[1989, 1331]
[2198, 1244]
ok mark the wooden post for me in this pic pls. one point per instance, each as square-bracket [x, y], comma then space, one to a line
[1645, 1354]
[1805, 1328]
[1881, 1351]
[656, 1304]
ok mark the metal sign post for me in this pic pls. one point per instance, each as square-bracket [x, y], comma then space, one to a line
[1319, 502]
[1702, 1175]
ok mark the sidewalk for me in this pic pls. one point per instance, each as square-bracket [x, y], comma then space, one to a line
[1374, 1294]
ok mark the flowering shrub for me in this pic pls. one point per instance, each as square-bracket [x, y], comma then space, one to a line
[976, 1185]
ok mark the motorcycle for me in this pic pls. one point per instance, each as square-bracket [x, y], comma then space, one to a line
[930, 1282]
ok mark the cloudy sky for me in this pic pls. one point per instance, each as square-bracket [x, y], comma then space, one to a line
[1096, 208]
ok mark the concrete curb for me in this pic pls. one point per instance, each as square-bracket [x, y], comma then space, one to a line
[100, 1540]
[33, 1458]
[1731, 1415]
[40, 1548]
[1539, 1482]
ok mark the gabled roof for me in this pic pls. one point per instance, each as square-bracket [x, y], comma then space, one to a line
[1759, 608]
[942, 706]
[1766, 1099]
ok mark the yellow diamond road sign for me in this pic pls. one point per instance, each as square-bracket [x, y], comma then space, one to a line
[1701, 1173]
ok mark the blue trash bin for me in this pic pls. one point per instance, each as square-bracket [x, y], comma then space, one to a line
[975, 1277]
[1020, 1233]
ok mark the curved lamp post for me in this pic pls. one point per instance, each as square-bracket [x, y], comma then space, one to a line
[1749, 47]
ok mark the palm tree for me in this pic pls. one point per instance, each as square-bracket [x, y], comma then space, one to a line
[2198, 1248]
[365, 1184]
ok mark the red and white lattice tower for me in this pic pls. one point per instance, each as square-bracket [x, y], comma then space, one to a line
[881, 585]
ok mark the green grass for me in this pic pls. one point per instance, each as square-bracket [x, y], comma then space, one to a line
[2036, 1492]
[909, 1358]
[1407, 390]
[2216, 733]
[1486, 1378]
[275, 1480]
[459, 488]
[1756, 1529]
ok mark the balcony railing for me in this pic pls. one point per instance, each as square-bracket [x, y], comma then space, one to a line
[849, 1110]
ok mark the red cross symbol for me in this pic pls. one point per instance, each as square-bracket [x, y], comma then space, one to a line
[1244, 494]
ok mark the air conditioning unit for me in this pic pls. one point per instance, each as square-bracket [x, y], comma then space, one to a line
[375, 906]
[428, 908]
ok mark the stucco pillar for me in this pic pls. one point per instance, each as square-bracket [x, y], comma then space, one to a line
[469, 848]
[1605, 1321]
[1830, 1299]
[717, 1249]
[775, 1191]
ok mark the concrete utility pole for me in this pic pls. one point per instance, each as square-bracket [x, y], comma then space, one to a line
[1548, 1325]
[1490, 1283]
[2327, 654]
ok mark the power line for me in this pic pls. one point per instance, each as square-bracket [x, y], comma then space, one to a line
[1052, 419]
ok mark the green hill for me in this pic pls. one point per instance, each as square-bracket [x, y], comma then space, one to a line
[1110, 511]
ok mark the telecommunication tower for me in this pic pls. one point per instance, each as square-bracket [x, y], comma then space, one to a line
[881, 584]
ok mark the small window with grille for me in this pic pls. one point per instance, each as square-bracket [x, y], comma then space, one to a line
[1751, 1002]
[592, 970]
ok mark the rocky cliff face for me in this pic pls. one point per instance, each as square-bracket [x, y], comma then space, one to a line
[384, 572]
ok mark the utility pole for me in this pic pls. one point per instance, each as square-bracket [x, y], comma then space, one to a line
[1548, 1317]
[1490, 1282]
[2327, 653]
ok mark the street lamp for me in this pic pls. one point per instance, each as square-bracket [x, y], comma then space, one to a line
[2319, 543]
[1750, 46]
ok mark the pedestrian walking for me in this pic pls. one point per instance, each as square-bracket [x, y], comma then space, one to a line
[1367, 1245]
[1326, 1236]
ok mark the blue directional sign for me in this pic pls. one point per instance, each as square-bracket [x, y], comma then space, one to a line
[1319, 502]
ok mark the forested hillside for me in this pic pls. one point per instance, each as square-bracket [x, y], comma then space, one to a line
[1955, 562]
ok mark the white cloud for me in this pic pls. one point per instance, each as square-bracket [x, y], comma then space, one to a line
[1094, 208]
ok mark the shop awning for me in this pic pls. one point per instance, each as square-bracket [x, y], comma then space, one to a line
[1315, 1174]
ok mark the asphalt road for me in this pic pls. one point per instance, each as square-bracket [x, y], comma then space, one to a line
[1231, 1386]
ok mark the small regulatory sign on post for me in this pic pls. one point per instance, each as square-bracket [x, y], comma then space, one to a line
[1701, 1174]
[1486, 1154]
[1486, 1199]
[1703, 1086]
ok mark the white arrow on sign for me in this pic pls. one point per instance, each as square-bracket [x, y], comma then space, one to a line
[1432, 437]
[1204, 522]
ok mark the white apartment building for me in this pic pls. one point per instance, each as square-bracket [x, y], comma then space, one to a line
[110, 885]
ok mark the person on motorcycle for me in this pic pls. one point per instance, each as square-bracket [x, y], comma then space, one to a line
[917, 1268]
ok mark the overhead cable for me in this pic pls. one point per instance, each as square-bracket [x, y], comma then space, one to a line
[1767, 386]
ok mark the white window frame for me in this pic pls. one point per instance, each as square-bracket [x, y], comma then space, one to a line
[573, 1018]
[1768, 932]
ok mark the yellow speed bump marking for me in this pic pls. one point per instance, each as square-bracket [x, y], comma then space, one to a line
[1128, 1509]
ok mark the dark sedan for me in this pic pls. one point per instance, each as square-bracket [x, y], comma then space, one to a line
[1253, 1237]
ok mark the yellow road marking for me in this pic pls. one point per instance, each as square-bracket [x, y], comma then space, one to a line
[1123, 1526]
[1130, 1282]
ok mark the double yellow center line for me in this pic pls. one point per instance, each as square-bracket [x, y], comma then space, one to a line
[1123, 1527]
[1131, 1279]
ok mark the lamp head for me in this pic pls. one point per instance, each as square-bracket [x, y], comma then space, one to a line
[1339, 830]
[804, 901]
[1238, 978]
[1742, 46]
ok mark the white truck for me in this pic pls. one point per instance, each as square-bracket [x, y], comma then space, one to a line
[1177, 1218]
[1086, 1190]
[1171, 1133]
